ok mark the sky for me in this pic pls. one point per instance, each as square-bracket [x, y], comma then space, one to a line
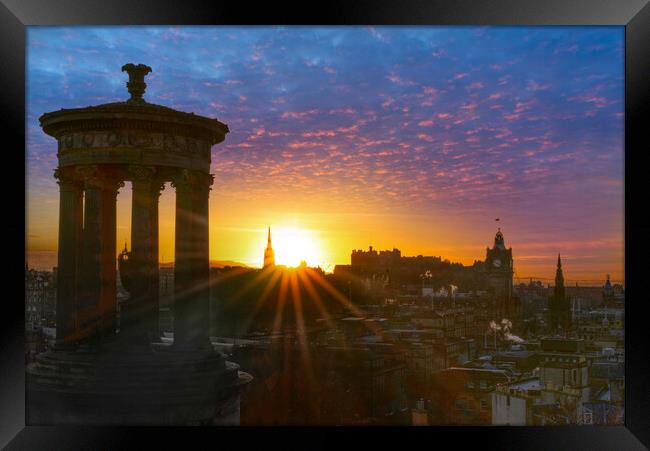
[347, 137]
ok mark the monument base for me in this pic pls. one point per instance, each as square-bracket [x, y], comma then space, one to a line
[110, 384]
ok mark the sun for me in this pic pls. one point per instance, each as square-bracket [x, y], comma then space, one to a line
[293, 245]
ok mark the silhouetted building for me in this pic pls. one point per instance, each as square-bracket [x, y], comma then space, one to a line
[269, 254]
[372, 260]
[512, 403]
[562, 363]
[463, 395]
[40, 298]
[610, 297]
[499, 269]
[559, 304]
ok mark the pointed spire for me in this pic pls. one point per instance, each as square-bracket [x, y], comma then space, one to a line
[269, 255]
[125, 248]
[559, 276]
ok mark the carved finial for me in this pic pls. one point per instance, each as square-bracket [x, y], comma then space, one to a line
[136, 84]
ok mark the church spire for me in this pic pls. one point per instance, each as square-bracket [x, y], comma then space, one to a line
[559, 276]
[560, 304]
[269, 254]
[559, 279]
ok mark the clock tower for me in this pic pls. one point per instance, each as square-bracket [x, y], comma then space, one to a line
[499, 272]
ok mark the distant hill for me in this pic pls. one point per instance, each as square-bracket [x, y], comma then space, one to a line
[213, 264]
[222, 263]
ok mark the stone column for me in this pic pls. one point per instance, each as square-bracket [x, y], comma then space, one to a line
[97, 289]
[108, 270]
[141, 311]
[70, 229]
[157, 188]
[191, 267]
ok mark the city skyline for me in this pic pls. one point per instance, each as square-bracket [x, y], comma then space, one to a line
[418, 148]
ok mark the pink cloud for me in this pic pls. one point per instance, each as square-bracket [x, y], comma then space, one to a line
[520, 107]
[319, 133]
[469, 106]
[425, 137]
[303, 144]
[388, 102]
[257, 133]
[352, 128]
[400, 81]
[343, 111]
[504, 132]
[298, 114]
[461, 75]
[428, 123]
[598, 101]
[534, 86]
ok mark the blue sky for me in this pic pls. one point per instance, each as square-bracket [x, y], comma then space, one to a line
[451, 126]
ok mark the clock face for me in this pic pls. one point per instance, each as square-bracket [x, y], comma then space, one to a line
[496, 262]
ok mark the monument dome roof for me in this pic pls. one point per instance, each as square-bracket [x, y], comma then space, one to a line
[135, 109]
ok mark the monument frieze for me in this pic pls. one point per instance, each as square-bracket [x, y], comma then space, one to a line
[119, 146]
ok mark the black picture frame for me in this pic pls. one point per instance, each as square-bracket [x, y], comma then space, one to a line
[16, 15]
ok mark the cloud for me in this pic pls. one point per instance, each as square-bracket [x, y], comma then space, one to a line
[535, 86]
[400, 81]
[438, 118]
[298, 114]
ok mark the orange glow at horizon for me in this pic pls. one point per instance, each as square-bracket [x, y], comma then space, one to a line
[293, 245]
[324, 233]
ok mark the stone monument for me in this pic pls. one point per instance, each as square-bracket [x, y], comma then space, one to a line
[102, 372]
